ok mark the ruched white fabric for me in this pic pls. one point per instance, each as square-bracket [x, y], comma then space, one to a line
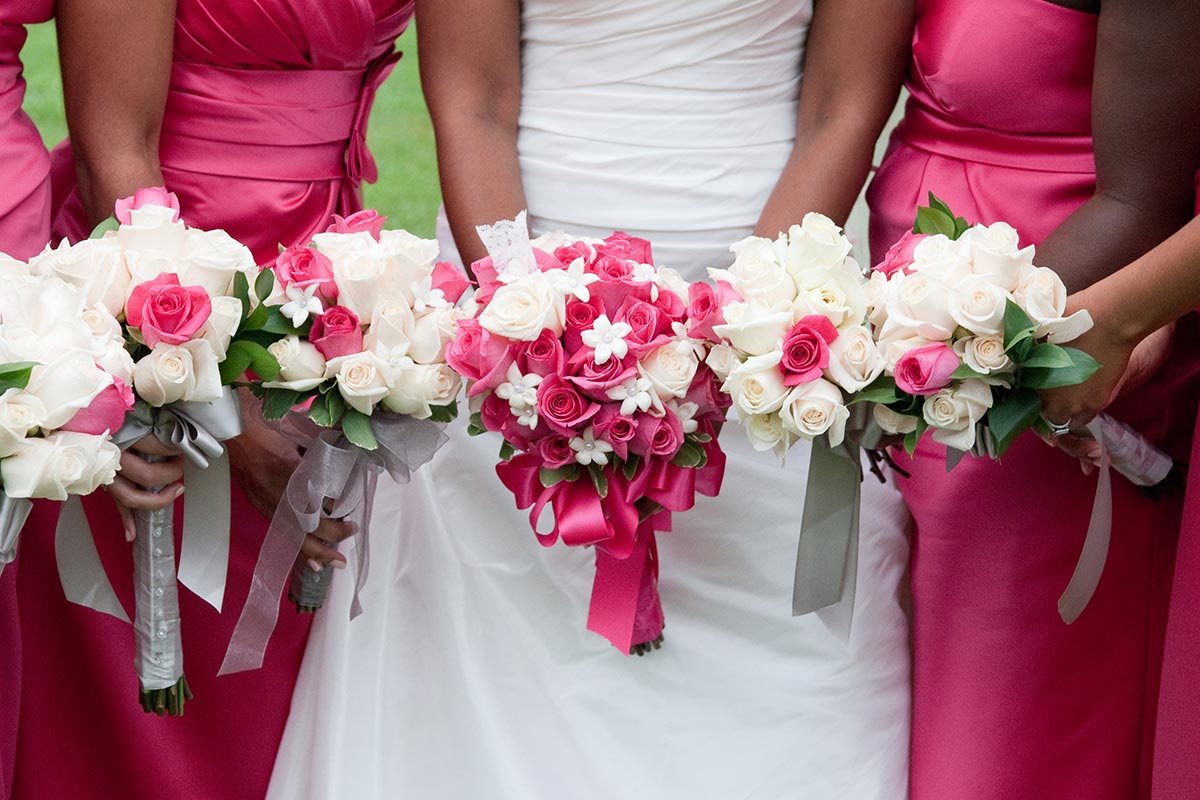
[470, 674]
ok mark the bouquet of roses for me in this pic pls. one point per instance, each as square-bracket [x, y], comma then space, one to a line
[187, 323]
[584, 356]
[63, 391]
[360, 318]
[970, 329]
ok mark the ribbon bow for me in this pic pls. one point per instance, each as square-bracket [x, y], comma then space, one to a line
[360, 164]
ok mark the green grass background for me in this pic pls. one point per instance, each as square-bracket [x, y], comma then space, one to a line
[400, 134]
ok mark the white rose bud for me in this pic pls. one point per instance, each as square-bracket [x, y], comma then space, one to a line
[893, 422]
[753, 328]
[978, 305]
[1044, 297]
[418, 387]
[60, 465]
[722, 360]
[671, 280]
[816, 242]
[66, 385]
[222, 324]
[170, 373]
[410, 258]
[924, 305]
[114, 359]
[835, 292]
[212, 258]
[813, 408]
[984, 354]
[301, 365]
[392, 326]
[854, 359]
[766, 432]
[362, 379]
[431, 332]
[954, 411]
[344, 246]
[152, 230]
[669, 371]
[758, 275]
[997, 254]
[20, 412]
[942, 258]
[521, 310]
[878, 290]
[96, 266]
[756, 386]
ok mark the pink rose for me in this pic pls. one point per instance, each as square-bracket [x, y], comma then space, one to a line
[569, 253]
[579, 318]
[478, 356]
[166, 312]
[450, 280]
[106, 412]
[706, 393]
[368, 220]
[806, 349]
[611, 268]
[704, 311]
[657, 436]
[615, 428]
[670, 304]
[595, 379]
[336, 333]
[497, 416]
[647, 321]
[149, 196]
[563, 408]
[926, 370]
[616, 284]
[304, 266]
[542, 356]
[726, 294]
[624, 246]
[555, 451]
[900, 255]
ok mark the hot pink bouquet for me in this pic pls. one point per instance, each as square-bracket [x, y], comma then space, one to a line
[583, 355]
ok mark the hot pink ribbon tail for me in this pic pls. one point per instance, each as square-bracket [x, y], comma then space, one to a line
[625, 607]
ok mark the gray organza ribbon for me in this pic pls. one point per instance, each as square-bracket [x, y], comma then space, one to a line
[13, 513]
[332, 469]
[827, 557]
[196, 429]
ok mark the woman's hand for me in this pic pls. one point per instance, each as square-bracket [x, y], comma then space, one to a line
[131, 488]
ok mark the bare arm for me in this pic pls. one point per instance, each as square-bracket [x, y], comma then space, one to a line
[470, 53]
[1145, 107]
[116, 66]
[855, 60]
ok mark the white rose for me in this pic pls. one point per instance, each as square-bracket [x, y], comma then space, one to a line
[521, 310]
[212, 258]
[12, 268]
[670, 371]
[344, 246]
[766, 432]
[814, 408]
[392, 325]
[418, 387]
[362, 379]
[878, 289]
[672, 281]
[997, 255]
[62, 464]
[722, 360]
[854, 359]
[1043, 296]
[170, 373]
[954, 411]
[222, 324]
[895, 342]
[892, 422]
[20, 412]
[551, 241]
[301, 365]
[835, 292]
[410, 259]
[113, 358]
[984, 354]
[923, 304]
[362, 280]
[18, 343]
[431, 332]
[940, 257]
[152, 230]
[754, 328]
[103, 325]
[96, 266]
[48, 308]
[978, 305]
[757, 385]
[757, 275]
[66, 385]
[816, 242]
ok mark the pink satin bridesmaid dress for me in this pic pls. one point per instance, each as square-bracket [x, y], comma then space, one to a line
[1009, 702]
[264, 136]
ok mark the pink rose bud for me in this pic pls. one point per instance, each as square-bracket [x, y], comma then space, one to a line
[336, 333]
[900, 255]
[624, 246]
[704, 311]
[615, 428]
[368, 220]
[106, 413]
[166, 312]
[806, 350]
[450, 280]
[304, 266]
[555, 451]
[563, 408]
[926, 370]
[149, 196]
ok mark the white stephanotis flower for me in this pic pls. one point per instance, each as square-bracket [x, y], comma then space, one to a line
[520, 390]
[425, 297]
[302, 302]
[685, 343]
[590, 450]
[635, 394]
[646, 273]
[608, 338]
[686, 412]
[572, 280]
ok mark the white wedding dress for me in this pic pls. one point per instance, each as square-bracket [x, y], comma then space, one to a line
[471, 675]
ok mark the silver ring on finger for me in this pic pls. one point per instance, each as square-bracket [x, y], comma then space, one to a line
[1058, 429]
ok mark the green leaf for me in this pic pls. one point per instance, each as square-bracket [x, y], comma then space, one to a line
[939, 204]
[1014, 413]
[263, 284]
[446, 413]
[475, 425]
[599, 479]
[278, 402]
[934, 221]
[356, 427]
[701, 438]
[550, 477]
[1082, 367]
[965, 373]
[256, 318]
[914, 436]
[241, 290]
[250, 355]
[237, 361]
[961, 226]
[1048, 356]
[327, 409]
[277, 323]
[507, 451]
[630, 467]
[1017, 325]
[16, 375]
[882, 390]
[104, 227]
[689, 456]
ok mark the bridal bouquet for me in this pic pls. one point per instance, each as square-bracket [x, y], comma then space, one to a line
[182, 296]
[63, 390]
[361, 317]
[586, 359]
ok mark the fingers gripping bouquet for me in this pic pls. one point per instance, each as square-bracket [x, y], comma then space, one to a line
[970, 329]
[361, 318]
[795, 349]
[183, 325]
[584, 356]
[63, 391]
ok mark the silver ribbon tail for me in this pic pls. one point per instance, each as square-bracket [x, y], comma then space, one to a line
[13, 513]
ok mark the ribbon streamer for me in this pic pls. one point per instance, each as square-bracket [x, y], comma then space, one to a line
[332, 469]
[13, 513]
[1095, 545]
